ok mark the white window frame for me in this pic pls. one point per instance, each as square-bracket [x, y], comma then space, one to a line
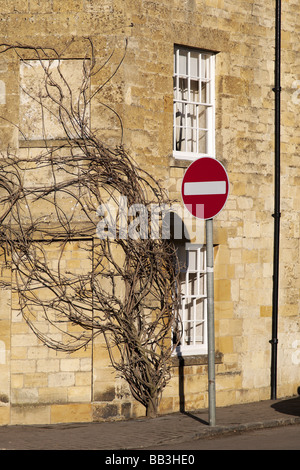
[194, 347]
[208, 82]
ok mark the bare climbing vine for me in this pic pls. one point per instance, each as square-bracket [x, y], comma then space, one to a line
[70, 190]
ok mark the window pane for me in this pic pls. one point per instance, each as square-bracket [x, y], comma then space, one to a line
[192, 260]
[183, 63]
[199, 332]
[188, 333]
[205, 92]
[180, 114]
[180, 139]
[188, 326]
[193, 284]
[205, 66]
[191, 139]
[191, 115]
[193, 329]
[194, 64]
[180, 126]
[194, 91]
[202, 117]
[183, 89]
[202, 141]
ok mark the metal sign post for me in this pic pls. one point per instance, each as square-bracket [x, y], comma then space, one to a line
[210, 321]
[205, 184]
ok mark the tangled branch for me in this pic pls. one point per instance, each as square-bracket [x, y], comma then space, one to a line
[70, 192]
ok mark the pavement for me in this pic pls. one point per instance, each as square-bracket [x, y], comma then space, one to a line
[147, 433]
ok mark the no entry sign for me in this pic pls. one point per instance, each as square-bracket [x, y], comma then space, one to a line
[205, 188]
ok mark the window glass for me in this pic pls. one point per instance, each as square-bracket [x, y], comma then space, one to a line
[193, 103]
[193, 299]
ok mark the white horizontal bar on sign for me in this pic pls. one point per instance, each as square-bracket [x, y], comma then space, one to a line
[204, 188]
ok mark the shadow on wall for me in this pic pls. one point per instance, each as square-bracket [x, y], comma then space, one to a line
[289, 407]
[182, 394]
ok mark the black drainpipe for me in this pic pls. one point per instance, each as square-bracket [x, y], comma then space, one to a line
[276, 215]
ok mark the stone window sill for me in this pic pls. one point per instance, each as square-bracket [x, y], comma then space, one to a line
[195, 360]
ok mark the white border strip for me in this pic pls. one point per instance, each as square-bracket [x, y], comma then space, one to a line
[204, 188]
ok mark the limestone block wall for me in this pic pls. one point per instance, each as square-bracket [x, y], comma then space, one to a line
[38, 385]
[40, 376]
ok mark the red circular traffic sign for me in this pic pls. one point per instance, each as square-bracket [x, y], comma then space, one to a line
[205, 188]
